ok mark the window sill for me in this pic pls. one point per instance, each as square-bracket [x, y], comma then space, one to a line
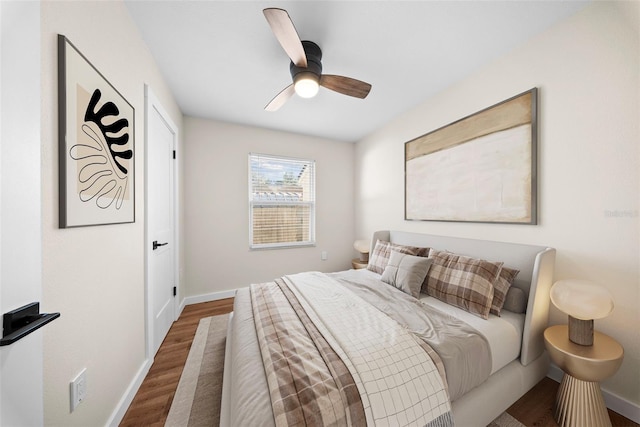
[282, 246]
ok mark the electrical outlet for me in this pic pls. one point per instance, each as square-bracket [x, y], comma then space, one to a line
[324, 255]
[78, 389]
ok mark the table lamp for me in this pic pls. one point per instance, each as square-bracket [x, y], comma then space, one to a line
[363, 247]
[583, 301]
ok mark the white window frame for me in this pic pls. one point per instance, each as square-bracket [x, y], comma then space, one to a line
[311, 204]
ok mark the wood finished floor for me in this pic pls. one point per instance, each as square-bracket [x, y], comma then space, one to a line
[151, 404]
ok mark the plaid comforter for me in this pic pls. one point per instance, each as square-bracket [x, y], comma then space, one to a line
[332, 359]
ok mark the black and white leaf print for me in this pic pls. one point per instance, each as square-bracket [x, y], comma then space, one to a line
[102, 155]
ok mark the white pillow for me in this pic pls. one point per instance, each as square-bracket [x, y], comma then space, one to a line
[406, 272]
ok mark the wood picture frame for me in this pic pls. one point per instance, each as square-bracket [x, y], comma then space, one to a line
[482, 168]
[96, 145]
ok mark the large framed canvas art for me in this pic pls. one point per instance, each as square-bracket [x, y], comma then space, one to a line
[96, 145]
[481, 168]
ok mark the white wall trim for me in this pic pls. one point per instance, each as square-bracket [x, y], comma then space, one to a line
[213, 296]
[614, 402]
[126, 399]
[181, 307]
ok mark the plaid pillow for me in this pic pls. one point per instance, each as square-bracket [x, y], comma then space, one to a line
[463, 282]
[500, 288]
[379, 258]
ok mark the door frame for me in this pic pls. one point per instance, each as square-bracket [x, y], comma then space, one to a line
[152, 103]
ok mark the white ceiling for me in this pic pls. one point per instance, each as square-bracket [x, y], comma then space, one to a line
[222, 62]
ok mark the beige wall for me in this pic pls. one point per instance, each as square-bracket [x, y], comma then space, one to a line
[94, 275]
[587, 70]
[216, 211]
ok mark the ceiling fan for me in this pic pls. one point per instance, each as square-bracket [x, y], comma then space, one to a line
[305, 67]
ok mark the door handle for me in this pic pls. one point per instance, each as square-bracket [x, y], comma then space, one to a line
[156, 245]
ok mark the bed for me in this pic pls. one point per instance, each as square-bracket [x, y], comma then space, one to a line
[504, 355]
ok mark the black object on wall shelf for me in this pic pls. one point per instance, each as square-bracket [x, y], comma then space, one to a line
[22, 321]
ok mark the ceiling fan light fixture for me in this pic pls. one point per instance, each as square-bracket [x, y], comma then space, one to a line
[306, 84]
[306, 65]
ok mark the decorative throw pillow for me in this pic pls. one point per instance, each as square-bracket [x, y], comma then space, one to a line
[500, 288]
[515, 301]
[406, 272]
[463, 282]
[379, 258]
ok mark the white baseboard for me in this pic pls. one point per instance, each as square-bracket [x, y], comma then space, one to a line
[121, 409]
[214, 296]
[614, 402]
[181, 308]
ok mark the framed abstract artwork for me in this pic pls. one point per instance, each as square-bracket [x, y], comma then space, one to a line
[482, 168]
[96, 145]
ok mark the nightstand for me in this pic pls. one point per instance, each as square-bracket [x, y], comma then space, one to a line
[579, 400]
[357, 264]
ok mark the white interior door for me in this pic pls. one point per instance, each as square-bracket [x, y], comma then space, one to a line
[21, 363]
[161, 236]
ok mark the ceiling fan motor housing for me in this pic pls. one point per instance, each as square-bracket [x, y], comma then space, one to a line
[314, 57]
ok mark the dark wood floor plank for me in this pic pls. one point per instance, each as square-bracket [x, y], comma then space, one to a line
[151, 404]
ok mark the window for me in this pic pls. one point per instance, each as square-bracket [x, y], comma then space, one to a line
[281, 201]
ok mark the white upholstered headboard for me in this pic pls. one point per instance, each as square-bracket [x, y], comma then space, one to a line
[536, 264]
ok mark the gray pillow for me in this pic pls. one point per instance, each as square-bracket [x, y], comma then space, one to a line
[515, 301]
[406, 272]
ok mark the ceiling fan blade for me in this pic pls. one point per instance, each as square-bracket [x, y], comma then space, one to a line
[345, 85]
[284, 30]
[279, 100]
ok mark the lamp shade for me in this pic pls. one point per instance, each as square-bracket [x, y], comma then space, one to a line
[362, 246]
[582, 299]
